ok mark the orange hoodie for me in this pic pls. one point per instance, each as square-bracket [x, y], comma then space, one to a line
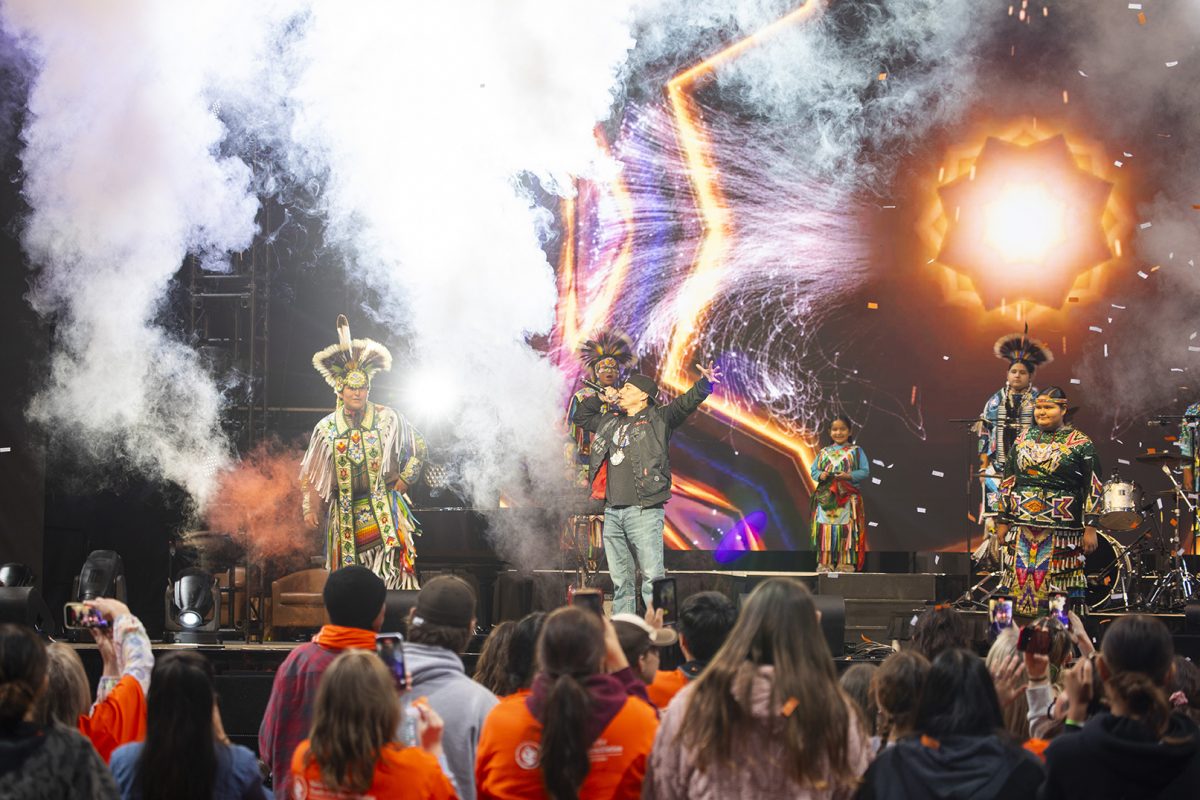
[665, 686]
[401, 773]
[506, 760]
[118, 719]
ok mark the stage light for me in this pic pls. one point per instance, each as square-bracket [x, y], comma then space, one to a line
[431, 394]
[1024, 223]
[13, 574]
[102, 575]
[194, 608]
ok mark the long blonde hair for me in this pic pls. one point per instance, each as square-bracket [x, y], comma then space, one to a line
[355, 714]
[778, 627]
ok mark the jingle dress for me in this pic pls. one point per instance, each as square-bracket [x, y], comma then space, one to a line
[1187, 443]
[839, 521]
[354, 471]
[1008, 414]
[1049, 494]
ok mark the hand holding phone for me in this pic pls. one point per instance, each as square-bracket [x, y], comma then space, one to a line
[77, 616]
[663, 599]
[591, 599]
[390, 649]
[1034, 640]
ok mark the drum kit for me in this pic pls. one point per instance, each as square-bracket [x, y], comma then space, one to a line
[1148, 574]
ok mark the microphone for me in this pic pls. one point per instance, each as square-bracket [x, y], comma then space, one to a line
[1150, 423]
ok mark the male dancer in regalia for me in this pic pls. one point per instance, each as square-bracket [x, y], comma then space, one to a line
[606, 356]
[360, 462]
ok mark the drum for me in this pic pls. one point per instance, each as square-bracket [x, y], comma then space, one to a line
[1108, 571]
[1120, 505]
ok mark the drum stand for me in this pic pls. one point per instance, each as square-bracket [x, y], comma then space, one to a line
[1177, 585]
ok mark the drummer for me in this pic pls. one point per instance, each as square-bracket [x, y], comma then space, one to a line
[1049, 497]
[1009, 411]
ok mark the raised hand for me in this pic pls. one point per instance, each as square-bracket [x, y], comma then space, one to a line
[712, 372]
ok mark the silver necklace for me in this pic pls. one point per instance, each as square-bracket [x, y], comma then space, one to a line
[621, 440]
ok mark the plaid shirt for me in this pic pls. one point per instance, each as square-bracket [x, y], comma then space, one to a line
[289, 712]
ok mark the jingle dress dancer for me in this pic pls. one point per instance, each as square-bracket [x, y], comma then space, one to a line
[606, 356]
[1008, 412]
[1050, 494]
[839, 523]
[360, 462]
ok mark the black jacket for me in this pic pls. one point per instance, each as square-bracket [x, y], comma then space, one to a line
[959, 768]
[1118, 757]
[648, 446]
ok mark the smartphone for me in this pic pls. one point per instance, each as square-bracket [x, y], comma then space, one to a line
[1000, 611]
[663, 596]
[1034, 640]
[591, 599]
[1059, 608]
[77, 616]
[390, 649]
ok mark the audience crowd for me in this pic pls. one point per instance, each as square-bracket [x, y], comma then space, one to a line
[571, 704]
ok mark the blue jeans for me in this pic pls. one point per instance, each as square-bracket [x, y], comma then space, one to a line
[631, 532]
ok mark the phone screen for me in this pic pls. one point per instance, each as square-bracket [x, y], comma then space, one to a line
[389, 647]
[1059, 608]
[664, 598]
[591, 599]
[1000, 610]
[77, 616]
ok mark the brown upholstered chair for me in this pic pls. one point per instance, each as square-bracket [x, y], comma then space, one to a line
[296, 600]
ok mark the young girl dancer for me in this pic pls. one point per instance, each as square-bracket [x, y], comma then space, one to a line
[838, 520]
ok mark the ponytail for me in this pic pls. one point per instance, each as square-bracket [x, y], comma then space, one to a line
[1144, 699]
[564, 753]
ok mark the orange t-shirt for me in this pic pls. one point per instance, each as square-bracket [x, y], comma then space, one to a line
[665, 686]
[506, 759]
[120, 718]
[400, 773]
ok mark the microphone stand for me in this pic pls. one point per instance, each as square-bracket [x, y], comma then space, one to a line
[968, 596]
[1177, 586]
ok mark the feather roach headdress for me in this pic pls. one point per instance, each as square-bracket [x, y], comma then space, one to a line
[1019, 347]
[351, 362]
[608, 344]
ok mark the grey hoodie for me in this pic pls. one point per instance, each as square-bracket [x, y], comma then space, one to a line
[438, 675]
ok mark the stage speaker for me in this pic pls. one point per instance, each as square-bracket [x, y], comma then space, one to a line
[396, 607]
[833, 619]
[24, 606]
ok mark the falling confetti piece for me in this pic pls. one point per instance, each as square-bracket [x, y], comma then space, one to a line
[1176, 369]
[1143, 275]
[1118, 164]
[877, 461]
[914, 396]
[872, 524]
[1141, 18]
[1095, 328]
[1127, 155]
[1076, 381]
[889, 206]
[1066, 98]
[1156, 268]
[1145, 225]
[1114, 305]
[876, 481]
[945, 358]
[920, 510]
[1193, 336]
[1117, 247]
[872, 305]
[883, 76]
[1172, 63]
[1123, 461]
[1106, 351]
[1084, 74]
[938, 474]
[1135, 6]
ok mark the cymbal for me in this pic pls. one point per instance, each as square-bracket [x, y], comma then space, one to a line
[1157, 457]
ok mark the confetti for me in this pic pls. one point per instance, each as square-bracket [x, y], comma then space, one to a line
[877, 462]
[945, 358]
[872, 305]
[1095, 328]
[1066, 97]
[920, 510]
[872, 524]
[1193, 336]
[1135, 6]
[1172, 63]
[876, 481]
[1176, 369]
[883, 76]
[889, 206]
[913, 402]
[1114, 305]
[1145, 225]
[1127, 155]
[1118, 164]
[1084, 74]
[1076, 381]
[1192, 348]
[938, 474]
[1143, 275]
[1141, 18]
[1106, 350]
[1123, 461]
[1117, 247]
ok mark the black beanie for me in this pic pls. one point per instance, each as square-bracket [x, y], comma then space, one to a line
[353, 596]
[647, 385]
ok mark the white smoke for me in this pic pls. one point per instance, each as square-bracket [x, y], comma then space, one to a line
[123, 180]
[422, 118]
